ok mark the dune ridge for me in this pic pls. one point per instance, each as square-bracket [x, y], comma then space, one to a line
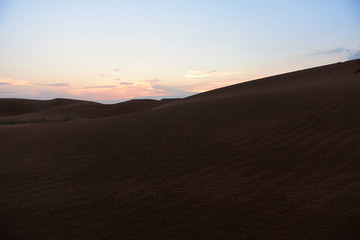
[55, 109]
[274, 158]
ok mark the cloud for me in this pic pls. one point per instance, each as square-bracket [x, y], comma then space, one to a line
[117, 69]
[14, 82]
[5, 84]
[55, 84]
[117, 79]
[123, 91]
[209, 74]
[199, 74]
[201, 81]
[346, 53]
[125, 83]
[29, 89]
[107, 86]
[152, 81]
[331, 51]
[171, 91]
[151, 88]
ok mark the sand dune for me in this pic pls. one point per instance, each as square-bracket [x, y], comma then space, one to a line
[56, 109]
[11, 106]
[274, 158]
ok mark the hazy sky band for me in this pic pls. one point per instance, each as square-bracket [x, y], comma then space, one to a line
[164, 48]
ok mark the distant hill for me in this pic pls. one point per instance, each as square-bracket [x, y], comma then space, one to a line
[24, 109]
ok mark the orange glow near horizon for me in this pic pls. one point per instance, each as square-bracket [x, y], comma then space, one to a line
[121, 90]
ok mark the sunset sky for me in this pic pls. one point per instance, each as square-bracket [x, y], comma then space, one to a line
[113, 50]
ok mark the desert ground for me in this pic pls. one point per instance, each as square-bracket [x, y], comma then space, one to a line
[275, 158]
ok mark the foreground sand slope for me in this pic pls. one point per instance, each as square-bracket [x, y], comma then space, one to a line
[276, 158]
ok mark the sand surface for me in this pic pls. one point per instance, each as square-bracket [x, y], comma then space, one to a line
[274, 158]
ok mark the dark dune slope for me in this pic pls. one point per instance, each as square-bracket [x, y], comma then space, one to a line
[276, 158]
[13, 106]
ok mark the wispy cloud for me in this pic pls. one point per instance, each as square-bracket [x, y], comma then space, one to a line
[15, 82]
[125, 83]
[152, 81]
[117, 79]
[209, 74]
[106, 86]
[124, 90]
[5, 84]
[199, 74]
[114, 73]
[346, 53]
[55, 84]
[200, 81]
[331, 51]
[26, 89]
[172, 91]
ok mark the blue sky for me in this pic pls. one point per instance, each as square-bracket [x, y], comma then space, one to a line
[116, 50]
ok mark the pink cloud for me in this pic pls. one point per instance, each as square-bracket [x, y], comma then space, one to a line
[124, 91]
[203, 81]
[15, 82]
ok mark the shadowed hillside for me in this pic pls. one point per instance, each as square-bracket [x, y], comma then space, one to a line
[12, 106]
[274, 158]
[27, 110]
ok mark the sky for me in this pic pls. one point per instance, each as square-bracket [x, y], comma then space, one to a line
[114, 50]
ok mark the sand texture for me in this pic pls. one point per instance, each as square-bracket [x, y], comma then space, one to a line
[274, 158]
